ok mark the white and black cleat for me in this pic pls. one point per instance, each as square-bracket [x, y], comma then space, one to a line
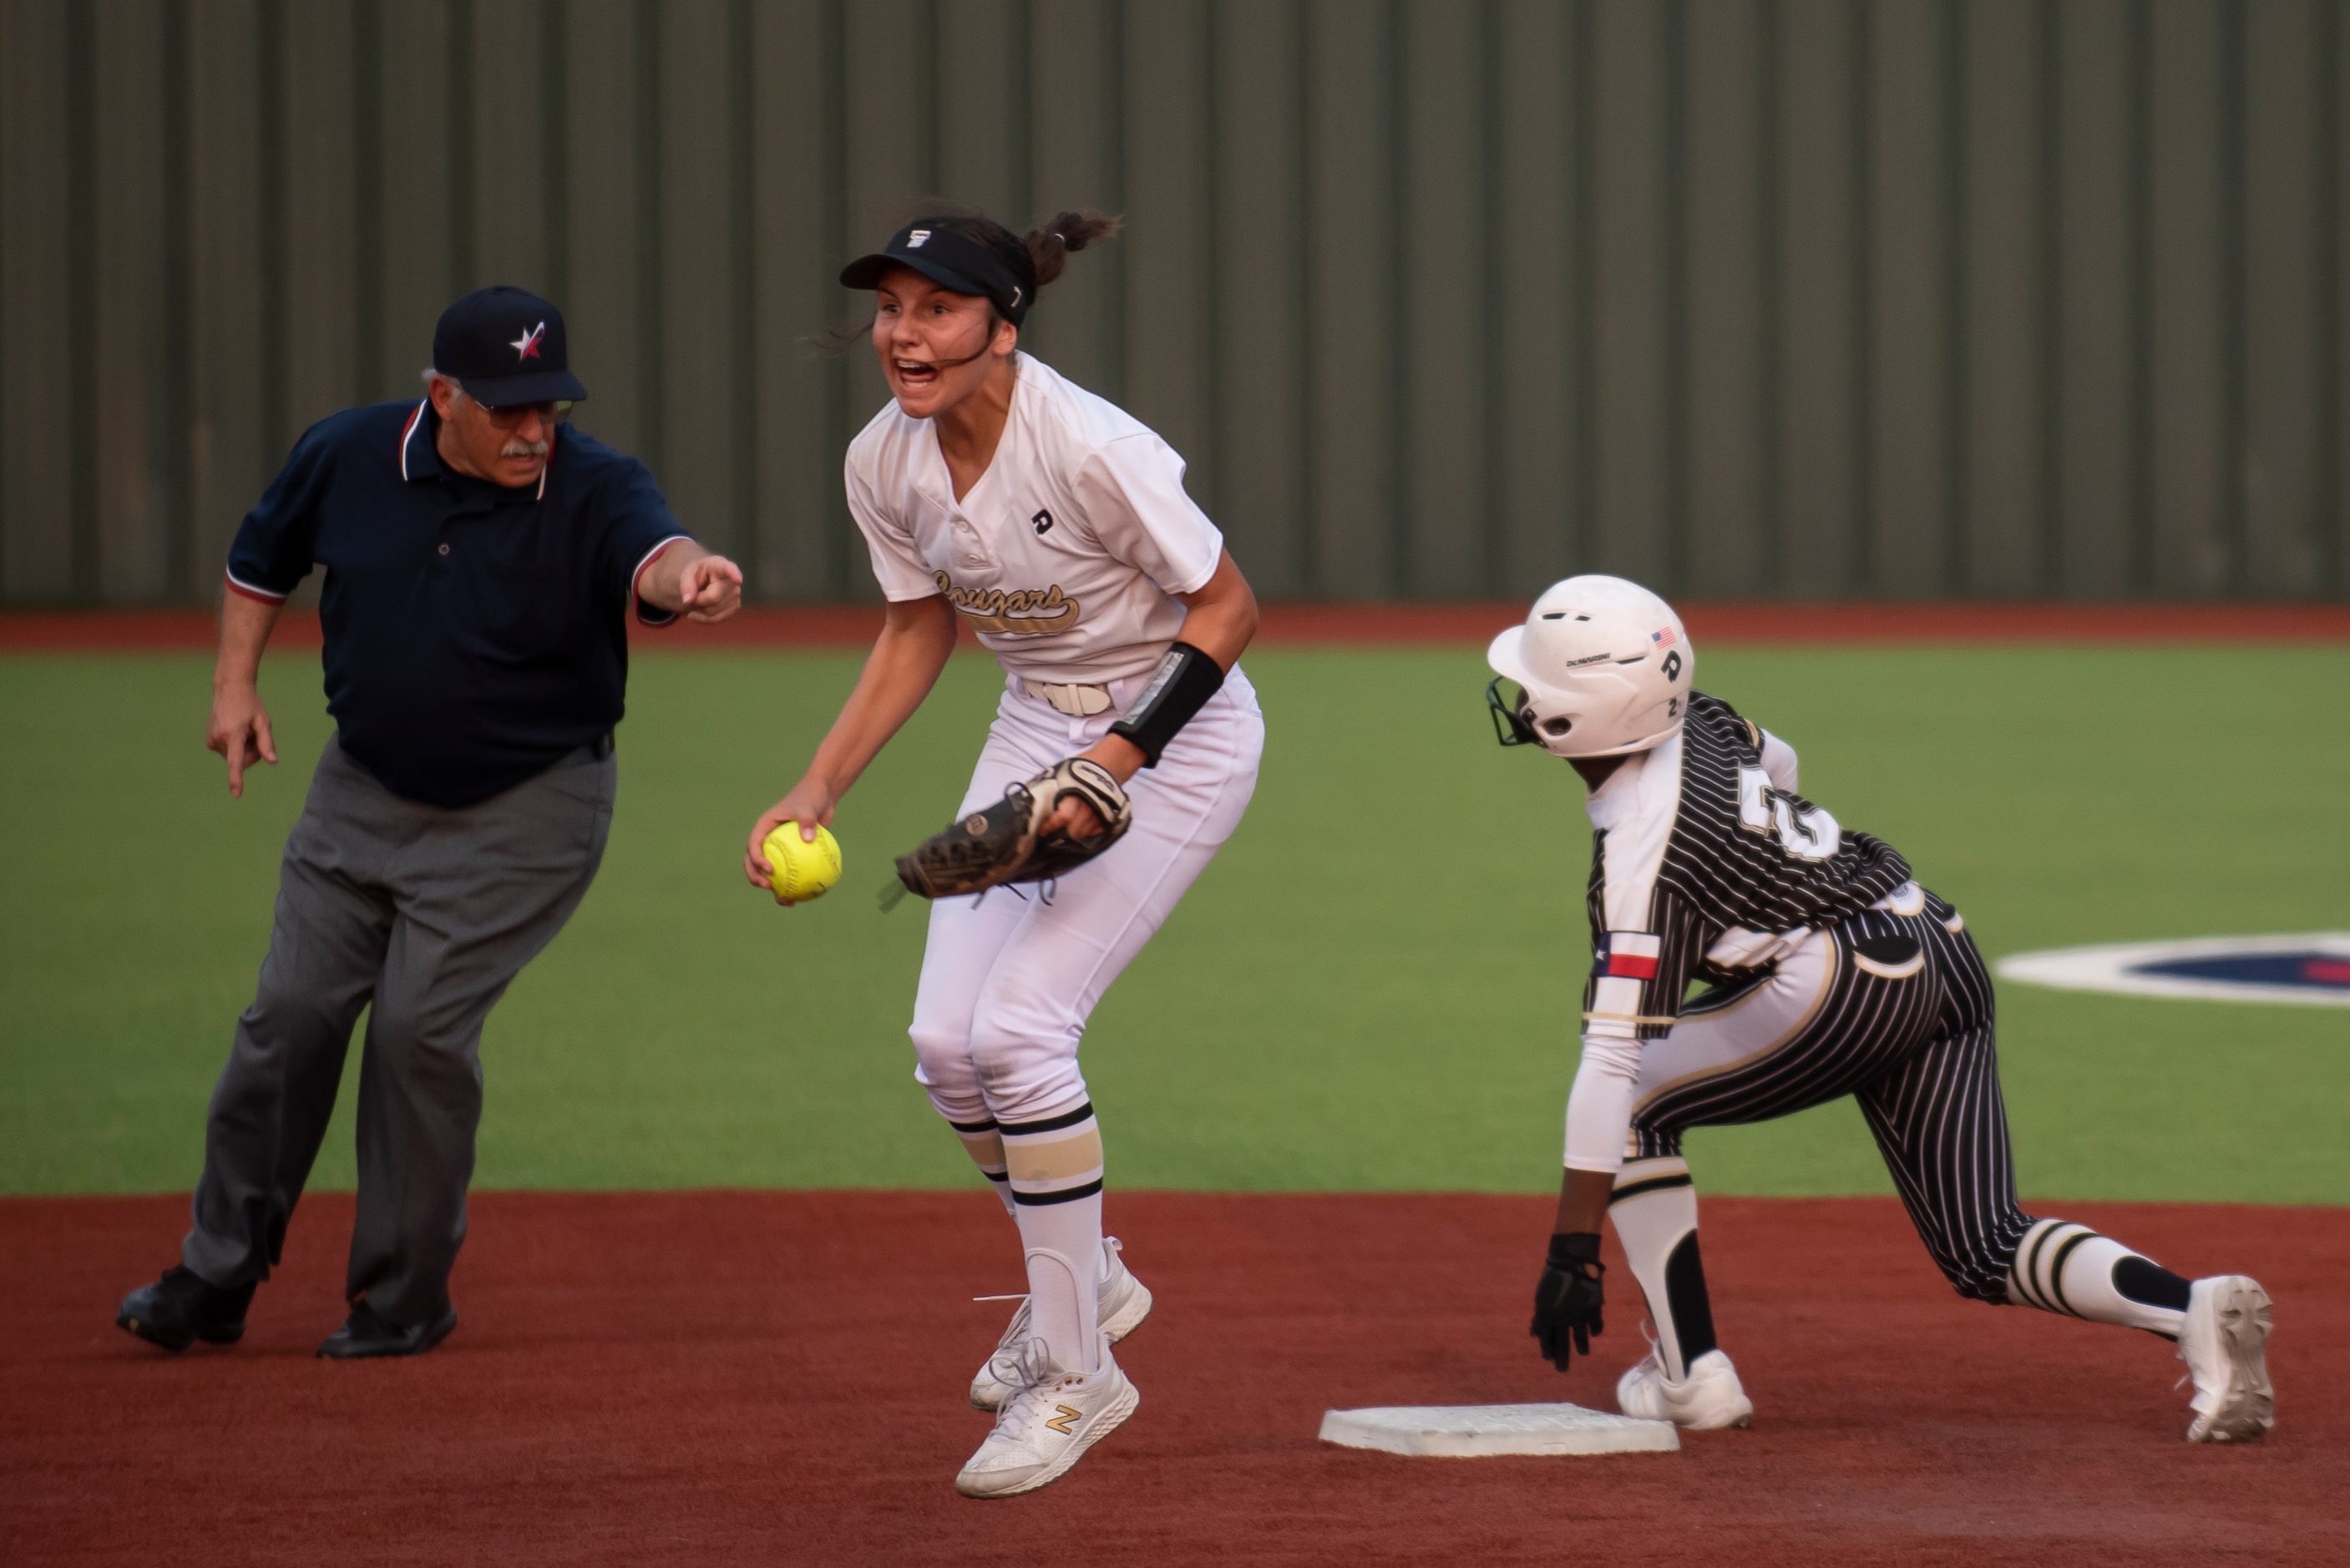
[2224, 1343]
[1710, 1399]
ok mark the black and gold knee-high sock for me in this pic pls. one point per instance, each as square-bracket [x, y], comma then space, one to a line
[1055, 1163]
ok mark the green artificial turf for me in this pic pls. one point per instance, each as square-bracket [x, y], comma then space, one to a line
[1376, 986]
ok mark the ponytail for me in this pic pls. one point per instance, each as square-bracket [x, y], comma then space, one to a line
[1049, 246]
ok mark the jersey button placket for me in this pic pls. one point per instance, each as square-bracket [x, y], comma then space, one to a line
[970, 551]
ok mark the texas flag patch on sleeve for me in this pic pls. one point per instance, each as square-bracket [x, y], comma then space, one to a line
[1627, 955]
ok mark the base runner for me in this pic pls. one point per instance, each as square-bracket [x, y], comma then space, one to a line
[1830, 971]
[994, 493]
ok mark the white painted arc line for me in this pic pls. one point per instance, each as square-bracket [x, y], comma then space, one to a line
[2115, 968]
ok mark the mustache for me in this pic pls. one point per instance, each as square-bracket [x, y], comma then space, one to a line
[520, 448]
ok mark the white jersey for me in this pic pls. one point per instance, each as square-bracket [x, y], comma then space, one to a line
[1064, 557]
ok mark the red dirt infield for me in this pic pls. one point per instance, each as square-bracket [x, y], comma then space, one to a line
[1375, 624]
[778, 1377]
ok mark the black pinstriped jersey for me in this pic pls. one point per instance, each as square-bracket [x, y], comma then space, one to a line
[1704, 861]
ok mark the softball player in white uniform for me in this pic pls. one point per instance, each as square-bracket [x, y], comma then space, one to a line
[992, 492]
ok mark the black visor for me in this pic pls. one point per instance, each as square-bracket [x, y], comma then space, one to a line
[950, 261]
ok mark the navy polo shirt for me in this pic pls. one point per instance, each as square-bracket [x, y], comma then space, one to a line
[474, 634]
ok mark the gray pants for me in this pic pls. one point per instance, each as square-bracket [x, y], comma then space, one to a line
[428, 914]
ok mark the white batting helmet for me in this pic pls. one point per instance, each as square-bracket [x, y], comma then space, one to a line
[1603, 668]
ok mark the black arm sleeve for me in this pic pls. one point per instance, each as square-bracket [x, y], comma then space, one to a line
[1180, 687]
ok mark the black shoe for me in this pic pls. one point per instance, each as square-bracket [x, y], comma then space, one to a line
[180, 1309]
[366, 1334]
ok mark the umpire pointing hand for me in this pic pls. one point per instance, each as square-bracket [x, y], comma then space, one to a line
[482, 557]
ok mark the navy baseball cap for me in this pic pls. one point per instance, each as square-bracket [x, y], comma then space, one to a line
[506, 345]
[952, 261]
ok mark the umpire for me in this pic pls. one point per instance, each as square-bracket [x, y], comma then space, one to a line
[481, 558]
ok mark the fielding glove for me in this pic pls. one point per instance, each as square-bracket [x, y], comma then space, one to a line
[1007, 842]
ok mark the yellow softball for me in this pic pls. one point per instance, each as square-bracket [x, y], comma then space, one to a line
[801, 870]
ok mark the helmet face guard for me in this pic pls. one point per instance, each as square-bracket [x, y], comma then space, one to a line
[1511, 726]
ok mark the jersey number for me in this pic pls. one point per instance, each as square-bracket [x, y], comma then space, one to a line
[1804, 831]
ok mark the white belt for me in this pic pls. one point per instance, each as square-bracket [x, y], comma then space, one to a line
[1076, 701]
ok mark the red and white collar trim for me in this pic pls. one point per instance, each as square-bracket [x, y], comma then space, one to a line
[408, 433]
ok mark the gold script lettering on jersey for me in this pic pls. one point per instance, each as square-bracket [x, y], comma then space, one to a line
[1026, 612]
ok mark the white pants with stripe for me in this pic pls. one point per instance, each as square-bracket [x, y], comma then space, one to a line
[1010, 976]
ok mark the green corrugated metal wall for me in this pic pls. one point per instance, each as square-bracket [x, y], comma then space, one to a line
[1443, 298]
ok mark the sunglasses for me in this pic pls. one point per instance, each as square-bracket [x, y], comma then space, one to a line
[505, 416]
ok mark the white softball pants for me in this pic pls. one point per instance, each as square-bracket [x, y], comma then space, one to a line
[1009, 979]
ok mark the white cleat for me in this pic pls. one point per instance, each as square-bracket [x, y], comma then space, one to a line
[2224, 1343]
[1123, 1303]
[1051, 1419]
[1708, 1400]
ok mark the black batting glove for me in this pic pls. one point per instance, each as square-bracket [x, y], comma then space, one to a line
[1569, 1298]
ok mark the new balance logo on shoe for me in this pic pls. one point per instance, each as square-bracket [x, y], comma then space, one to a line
[1079, 1409]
